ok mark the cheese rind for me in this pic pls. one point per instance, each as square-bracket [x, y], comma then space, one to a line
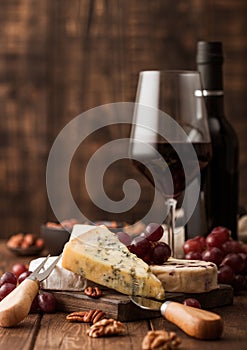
[99, 256]
[187, 276]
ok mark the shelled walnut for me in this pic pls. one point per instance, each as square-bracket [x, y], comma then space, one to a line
[106, 327]
[160, 340]
[92, 316]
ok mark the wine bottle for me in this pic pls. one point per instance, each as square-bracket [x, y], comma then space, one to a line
[221, 185]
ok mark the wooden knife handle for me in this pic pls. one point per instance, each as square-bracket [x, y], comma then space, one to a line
[195, 322]
[16, 305]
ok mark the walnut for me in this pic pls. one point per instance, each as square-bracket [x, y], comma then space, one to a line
[160, 340]
[106, 327]
[92, 316]
[93, 292]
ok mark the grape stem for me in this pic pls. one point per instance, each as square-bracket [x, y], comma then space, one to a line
[171, 203]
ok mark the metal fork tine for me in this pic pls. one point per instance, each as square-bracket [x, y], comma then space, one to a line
[41, 276]
[34, 273]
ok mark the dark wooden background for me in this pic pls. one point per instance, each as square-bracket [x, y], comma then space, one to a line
[59, 58]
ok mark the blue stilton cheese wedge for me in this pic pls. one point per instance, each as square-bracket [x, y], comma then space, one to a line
[99, 256]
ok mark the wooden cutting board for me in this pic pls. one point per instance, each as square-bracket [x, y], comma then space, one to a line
[119, 306]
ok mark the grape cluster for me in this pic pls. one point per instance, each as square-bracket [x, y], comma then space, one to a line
[147, 245]
[44, 301]
[229, 255]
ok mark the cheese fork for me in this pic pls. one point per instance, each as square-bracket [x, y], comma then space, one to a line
[197, 323]
[16, 305]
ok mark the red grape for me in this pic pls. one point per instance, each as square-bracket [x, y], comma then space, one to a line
[236, 246]
[23, 276]
[239, 283]
[225, 274]
[244, 257]
[227, 247]
[154, 232]
[192, 302]
[202, 241]
[217, 237]
[147, 257]
[18, 268]
[192, 245]
[232, 246]
[47, 302]
[8, 277]
[35, 305]
[235, 261]
[124, 238]
[5, 289]
[160, 253]
[212, 240]
[214, 255]
[139, 246]
[193, 256]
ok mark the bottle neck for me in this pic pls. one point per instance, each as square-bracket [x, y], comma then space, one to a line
[212, 82]
[215, 106]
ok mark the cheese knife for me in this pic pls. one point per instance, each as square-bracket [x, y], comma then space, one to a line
[197, 323]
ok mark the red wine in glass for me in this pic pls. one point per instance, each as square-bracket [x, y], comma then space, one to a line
[174, 166]
[170, 141]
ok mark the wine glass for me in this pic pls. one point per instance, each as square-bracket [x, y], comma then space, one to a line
[170, 141]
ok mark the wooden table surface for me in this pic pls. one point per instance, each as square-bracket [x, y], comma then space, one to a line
[52, 331]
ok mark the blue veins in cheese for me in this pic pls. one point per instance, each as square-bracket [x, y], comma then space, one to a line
[96, 254]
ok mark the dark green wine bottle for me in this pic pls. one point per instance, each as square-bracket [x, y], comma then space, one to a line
[221, 185]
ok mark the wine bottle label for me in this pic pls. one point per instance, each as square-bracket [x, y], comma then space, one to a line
[199, 93]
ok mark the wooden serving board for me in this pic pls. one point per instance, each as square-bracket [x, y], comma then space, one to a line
[119, 306]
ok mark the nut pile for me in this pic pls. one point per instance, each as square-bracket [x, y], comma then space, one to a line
[24, 241]
[101, 326]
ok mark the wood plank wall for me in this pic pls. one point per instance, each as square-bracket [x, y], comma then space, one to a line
[59, 58]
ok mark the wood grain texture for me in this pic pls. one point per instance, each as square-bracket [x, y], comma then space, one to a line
[21, 336]
[59, 58]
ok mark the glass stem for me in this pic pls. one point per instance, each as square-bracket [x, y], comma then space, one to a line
[171, 202]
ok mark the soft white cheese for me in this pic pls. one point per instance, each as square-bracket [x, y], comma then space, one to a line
[60, 278]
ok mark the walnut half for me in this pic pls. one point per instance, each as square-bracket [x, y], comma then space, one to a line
[106, 327]
[160, 340]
